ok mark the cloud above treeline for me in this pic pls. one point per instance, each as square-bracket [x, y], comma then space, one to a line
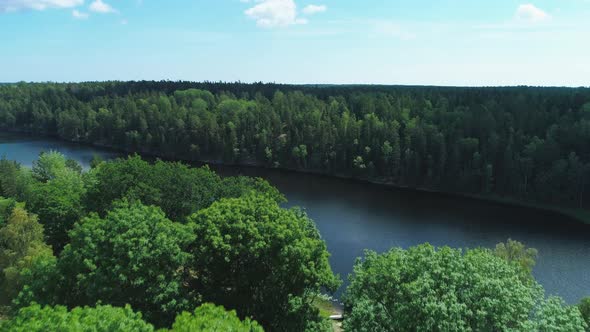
[314, 9]
[279, 13]
[18, 5]
[96, 6]
[531, 13]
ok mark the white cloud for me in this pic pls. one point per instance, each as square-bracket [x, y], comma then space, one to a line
[313, 9]
[275, 13]
[98, 6]
[530, 13]
[124, 21]
[17, 5]
[79, 15]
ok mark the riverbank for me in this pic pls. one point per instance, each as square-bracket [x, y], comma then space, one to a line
[575, 214]
[327, 308]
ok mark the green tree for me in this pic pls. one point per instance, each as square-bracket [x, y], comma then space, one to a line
[553, 315]
[211, 318]
[255, 257]
[41, 280]
[237, 186]
[134, 255]
[58, 202]
[584, 307]
[87, 319]
[7, 205]
[300, 155]
[9, 172]
[49, 165]
[15, 181]
[428, 289]
[522, 142]
[121, 178]
[21, 243]
[178, 189]
[516, 252]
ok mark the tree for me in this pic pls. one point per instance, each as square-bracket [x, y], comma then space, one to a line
[555, 316]
[21, 243]
[58, 200]
[584, 307]
[121, 178]
[211, 318]
[300, 155]
[15, 181]
[134, 255]
[48, 166]
[182, 190]
[87, 319]
[516, 252]
[41, 281]
[175, 187]
[428, 289]
[255, 257]
[9, 172]
[237, 186]
[523, 142]
[7, 205]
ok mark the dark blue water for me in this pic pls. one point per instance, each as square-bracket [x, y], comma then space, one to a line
[354, 216]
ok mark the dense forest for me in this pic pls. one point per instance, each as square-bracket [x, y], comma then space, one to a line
[520, 143]
[132, 245]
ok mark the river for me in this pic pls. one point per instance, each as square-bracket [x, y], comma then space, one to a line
[353, 216]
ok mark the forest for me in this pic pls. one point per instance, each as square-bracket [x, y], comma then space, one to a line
[526, 144]
[136, 245]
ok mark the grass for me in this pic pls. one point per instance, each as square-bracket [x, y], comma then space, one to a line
[326, 306]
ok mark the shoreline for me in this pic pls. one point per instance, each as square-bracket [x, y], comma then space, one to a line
[577, 215]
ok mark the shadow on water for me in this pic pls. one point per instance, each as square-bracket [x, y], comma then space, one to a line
[353, 216]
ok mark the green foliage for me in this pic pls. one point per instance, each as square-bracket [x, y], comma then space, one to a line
[122, 178]
[516, 252]
[48, 166]
[134, 255]
[553, 315]
[6, 207]
[95, 161]
[253, 256]
[53, 190]
[82, 319]
[584, 306]
[175, 187]
[211, 318]
[425, 289]
[15, 181]
[303, 315]
[41, 282]
[522, 142]
[21, 244]
[58, 202]
[237, 186]
[9, 172]
[105, 318]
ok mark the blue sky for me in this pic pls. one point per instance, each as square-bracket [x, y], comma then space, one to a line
[439, 42]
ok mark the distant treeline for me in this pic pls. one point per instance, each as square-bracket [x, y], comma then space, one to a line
[526, 143]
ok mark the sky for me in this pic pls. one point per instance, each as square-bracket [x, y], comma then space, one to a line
[410, 42]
